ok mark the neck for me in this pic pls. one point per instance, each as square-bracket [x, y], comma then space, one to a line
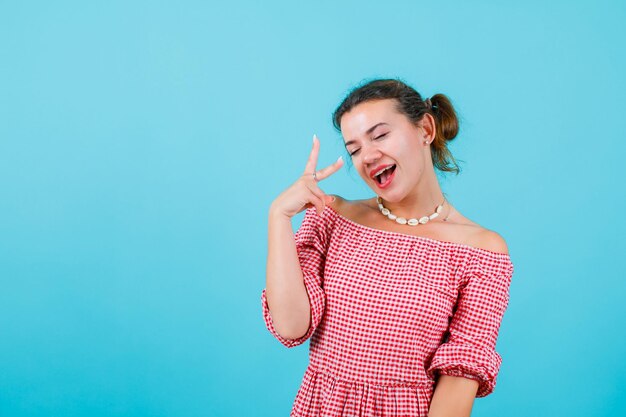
[422, 201]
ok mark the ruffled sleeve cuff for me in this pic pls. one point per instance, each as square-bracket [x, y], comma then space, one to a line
[267, 317]
[467, 362]
[317, 301]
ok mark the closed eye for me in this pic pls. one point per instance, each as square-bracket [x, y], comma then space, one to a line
[376, 138]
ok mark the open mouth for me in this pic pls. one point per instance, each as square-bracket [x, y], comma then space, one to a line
[384, 178]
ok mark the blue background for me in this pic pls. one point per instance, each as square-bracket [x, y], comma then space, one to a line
[141, 144]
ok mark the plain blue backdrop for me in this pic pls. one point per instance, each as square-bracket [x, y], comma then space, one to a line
[142, 142]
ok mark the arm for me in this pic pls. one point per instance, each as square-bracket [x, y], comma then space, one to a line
[293, 292]
[453, 397]
[285, 290]
[468, 356]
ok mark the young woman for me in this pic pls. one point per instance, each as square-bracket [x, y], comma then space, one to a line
[401, 295]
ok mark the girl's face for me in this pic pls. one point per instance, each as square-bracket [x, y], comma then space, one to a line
[377, 136]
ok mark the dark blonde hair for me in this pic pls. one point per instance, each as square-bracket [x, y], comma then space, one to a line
[411, 104]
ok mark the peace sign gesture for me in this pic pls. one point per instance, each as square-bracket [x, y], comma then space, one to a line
[305, 192]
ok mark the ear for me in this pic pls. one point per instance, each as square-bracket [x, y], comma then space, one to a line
[429, 126]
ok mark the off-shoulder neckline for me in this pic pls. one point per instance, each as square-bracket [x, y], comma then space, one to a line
[422, 238]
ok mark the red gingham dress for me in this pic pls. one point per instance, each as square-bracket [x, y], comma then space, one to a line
[390, 312]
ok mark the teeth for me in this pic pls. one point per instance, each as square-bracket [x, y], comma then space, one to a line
[383, 170]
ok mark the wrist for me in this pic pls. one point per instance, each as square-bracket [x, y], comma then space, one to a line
[277, 215]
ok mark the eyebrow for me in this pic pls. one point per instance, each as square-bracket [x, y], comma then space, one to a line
[370, 130]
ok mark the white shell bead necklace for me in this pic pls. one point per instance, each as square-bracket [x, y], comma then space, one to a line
[411, 222]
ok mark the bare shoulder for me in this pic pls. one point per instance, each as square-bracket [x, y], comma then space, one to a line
[458, 228]
[341, 205]
[356, 210]
[480, 236]
[337, 202]
[490, 240]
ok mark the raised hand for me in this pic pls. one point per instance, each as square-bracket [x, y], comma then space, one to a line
[305, 192]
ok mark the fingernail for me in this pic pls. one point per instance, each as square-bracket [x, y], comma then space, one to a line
[340, 158]
[314, 137]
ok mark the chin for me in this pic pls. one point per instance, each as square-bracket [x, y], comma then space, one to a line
[390, 196]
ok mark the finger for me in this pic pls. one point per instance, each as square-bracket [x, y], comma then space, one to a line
[317, 202]
[312, 162]
[329, 170]
[317, 192]
[320, 195]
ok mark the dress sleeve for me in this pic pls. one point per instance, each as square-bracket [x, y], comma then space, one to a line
[469, 351]
[311, 244]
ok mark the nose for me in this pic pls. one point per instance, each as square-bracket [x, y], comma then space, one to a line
[370, 154]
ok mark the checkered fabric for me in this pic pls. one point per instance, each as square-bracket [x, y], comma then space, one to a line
[389, 313]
